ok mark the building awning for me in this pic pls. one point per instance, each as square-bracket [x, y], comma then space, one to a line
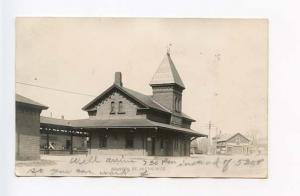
[116, 123]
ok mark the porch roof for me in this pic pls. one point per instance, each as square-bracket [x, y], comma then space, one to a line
[116, 123]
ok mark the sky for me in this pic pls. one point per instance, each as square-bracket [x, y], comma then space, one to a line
[222, 62]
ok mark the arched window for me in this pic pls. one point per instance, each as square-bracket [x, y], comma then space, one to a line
[112, 107]
[121, 108]
[179, 105]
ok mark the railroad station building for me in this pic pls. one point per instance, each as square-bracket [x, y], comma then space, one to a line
[125, 122]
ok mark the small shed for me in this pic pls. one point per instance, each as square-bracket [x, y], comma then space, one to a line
[28, 128]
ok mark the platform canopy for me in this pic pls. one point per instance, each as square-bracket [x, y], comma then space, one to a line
[117, 123]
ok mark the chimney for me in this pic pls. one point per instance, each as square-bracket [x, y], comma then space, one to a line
[118, 79]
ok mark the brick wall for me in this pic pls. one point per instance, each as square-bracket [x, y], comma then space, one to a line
[27, 133]
[116, 143]
[165, 95]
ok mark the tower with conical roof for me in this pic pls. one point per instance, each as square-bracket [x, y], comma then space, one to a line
[167, 85]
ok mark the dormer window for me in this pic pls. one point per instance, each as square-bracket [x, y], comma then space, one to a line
[112, 107]
[92, 113]
[121, 108]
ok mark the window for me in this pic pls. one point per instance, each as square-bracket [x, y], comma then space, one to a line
[176, 143]
[238, 140]
[121, 108]
[102, 141]
[112, 108]
[129, 140]
[175, 103]
[162, 143]
[92, 113]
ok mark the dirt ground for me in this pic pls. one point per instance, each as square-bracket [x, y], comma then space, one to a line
[238, 166]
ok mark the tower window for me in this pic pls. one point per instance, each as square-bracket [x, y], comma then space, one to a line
[175, 104]
[112, 107]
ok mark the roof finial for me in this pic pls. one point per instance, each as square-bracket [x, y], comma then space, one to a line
[169, 48]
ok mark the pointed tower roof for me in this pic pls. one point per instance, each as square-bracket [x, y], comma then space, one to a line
[167, 73]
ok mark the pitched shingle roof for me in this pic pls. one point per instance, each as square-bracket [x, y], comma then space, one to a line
[145, 100]
[167, 73]
[226, 137]
[27, 101]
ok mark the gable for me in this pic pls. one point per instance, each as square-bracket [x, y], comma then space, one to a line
[238, 139]
[140, 100]
[91, 106]
[124, 107]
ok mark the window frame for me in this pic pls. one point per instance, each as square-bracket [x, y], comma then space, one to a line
[112, 108]
[176, 143]
[162, 144]
[121, 107]
[102, 141]
[129, 137]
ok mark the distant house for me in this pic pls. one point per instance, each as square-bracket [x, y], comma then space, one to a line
[124, 121]
[28, 128]
[200, 145]
[232, 144]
